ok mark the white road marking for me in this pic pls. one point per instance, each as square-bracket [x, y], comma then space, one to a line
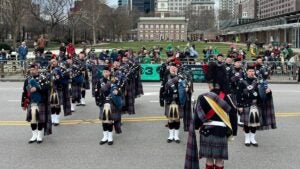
[154, 101]
[13, 100]
[151, 94]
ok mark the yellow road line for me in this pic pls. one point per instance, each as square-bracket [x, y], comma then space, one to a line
[125, 119]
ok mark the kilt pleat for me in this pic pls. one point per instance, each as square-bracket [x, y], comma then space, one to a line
[41, 113]
[213, 147]
[76, 91]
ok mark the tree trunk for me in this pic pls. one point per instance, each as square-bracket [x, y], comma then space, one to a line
[94, 35]
[73, 35]
[15, 36]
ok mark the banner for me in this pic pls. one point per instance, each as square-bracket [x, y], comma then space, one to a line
[198, 73]
[150, 72]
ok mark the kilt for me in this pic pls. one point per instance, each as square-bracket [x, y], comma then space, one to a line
[187, 112]
[139, 87]
[86, 85]
[167, 109]
[115, 113]
[64, 99]
[76, 91]
[245, 115]
[41, 113]
[129, 99]
[268, 120]
[212, 146]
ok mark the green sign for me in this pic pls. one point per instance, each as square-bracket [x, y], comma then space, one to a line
[198, 73]
[150, 72]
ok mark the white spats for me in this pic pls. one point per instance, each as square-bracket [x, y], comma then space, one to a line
[171, 135]
[40, 134]
[105, 138]
[110, 138]
[34, 137]
[247, 139]
[176, 136]
[252, 139]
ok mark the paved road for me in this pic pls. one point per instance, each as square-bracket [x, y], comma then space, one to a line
[142, 145]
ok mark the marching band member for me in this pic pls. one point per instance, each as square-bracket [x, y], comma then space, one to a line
[174, 99]
[35, 100]
[77, 79]
[107, 96]
[60, 94]
[247, 102]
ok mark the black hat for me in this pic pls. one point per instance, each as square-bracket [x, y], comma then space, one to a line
[106, 68]
[220, 55]
[33, 65]
[259, 57]
[237, 59]
[250, 66]
[172, 63]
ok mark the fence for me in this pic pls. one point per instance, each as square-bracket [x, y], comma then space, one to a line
[285, 71]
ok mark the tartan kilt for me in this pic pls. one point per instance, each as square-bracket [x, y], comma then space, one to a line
[86, 84]
[245, 115]
[167, 109]
[76, 91]
[129, 99]
[64, 99]
[42, 113]
[212, 146]
[115, 113]
[268, 120]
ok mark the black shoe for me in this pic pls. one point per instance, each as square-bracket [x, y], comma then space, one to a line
[255, 145]
[110, 143]
[55, 124]
[39, 142]
[247, 144]
[30, 142]
[102, 142]
[169, 140]
[177, 141]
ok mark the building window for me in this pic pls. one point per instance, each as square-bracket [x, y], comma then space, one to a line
[141, 26]
[151, 26]
[146, 26]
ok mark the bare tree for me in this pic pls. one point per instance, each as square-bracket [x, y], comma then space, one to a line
[121, 22]
[13, 13]
[200, 19]
[92, 11]
[73, 21]
[51, 12]
[226, 19]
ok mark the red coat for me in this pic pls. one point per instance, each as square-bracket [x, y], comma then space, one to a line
[71, 49]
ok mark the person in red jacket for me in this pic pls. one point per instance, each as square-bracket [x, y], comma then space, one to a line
[70, 50]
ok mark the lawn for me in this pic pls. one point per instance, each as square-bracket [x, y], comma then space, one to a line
[137, 45]
[222, 47]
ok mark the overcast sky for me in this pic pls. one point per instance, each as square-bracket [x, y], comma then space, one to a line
[112, 2]
[115, 3]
